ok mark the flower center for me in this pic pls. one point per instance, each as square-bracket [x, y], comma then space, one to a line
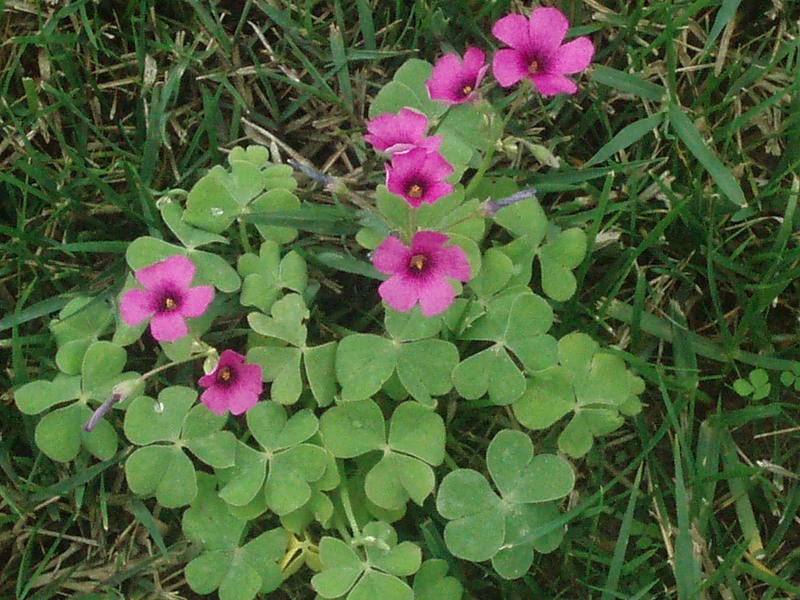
[414, 191]
[169, 303]
[533, 66]
[224, 375]
[417, 262]
[467, 90]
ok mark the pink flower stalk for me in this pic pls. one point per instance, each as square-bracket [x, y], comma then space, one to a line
[418, 176]
[233, 385]
[395, 134]
[536, 52]
[454, 81]
[419, 273]
[167, 298]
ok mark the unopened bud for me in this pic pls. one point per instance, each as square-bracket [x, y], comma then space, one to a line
[118, 393]
[490, 207]
[312, 173]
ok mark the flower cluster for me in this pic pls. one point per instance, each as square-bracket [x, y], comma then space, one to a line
[418, 173]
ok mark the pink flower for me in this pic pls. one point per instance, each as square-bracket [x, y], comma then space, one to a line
[418, 176]
[454, 81]
[402, 132]
[234, 385]
[536, 52]
[167, 298]
[419, 274]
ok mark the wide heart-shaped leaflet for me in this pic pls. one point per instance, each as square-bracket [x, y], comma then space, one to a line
[375, 574]
[285, 467]
[594, 384]
[267, 275]
[164, 469]
[59, 434]
[239, 572]
[482, 524]
[432, 582]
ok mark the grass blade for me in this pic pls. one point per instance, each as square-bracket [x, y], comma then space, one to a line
[685, 129]
[626, 137]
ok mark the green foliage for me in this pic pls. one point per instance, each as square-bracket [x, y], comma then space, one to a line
[503, 528]
[757, 384]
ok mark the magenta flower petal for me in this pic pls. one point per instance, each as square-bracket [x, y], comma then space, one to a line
[391, 256]
[420, 273]
[137, 306]
[196, 300]
[454, 81]
[572, 57]
[233, 385]
[452, 262]
[215, 400]
[550, 84]
[176, 271]
[428, 242]
[415, 176]
[431, 143]
[398, 293]
[513, 30]
[168, 326]
[241, 400]
[509, 67]
[436, 296]
[436, 191]
[397, 133]
[168, 298]
[547, 28]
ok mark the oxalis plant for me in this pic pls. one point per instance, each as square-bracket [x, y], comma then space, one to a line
[294, 441]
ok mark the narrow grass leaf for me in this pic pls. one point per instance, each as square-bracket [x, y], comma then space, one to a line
[144, 517]
[685, 129]
[741, 498]
[628, 83]
[626, 137]
[618, 560]
[687, 567]
[725, 14]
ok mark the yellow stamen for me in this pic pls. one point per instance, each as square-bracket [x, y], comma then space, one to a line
[224, 374]
[466, 90]
[533, 67]
[169, 303]
[415, 191]
[418, 262]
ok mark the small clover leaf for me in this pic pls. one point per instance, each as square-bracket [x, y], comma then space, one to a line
[432, 583]
[287, 463]
[83, 318]
[593, 384]
[792, 378]
[558, 257]
[266, 275]
[60, 433]
[416, 442]
[286, 323]
[191, 237]
[279, 199]
[239, 572]
[353, 428]
[320, 367]
[374, 574]
[756, 385]
[164, 469]
[483, 526]
[363, 364]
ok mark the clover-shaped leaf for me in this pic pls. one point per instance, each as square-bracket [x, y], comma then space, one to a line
[363, 364]
[353, 428]
[558, 257]
[83, 318]
[286, 322]
[164, 469]
[756, 385]
[483, 526]
[432, 583]
[416, 442]
[191, 237]
[374, 574]
[239, 572]
[266, 275]
[593, 384]
[279, 199]
[286, 467]
[491, 371]
[60, 433]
